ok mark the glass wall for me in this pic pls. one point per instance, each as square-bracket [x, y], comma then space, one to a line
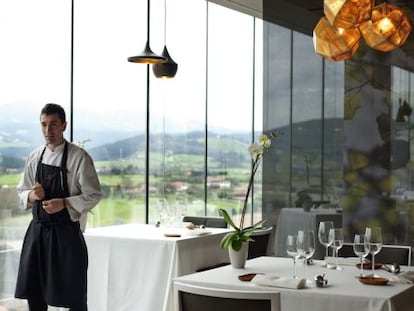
[35, 61]
[184, 141]
[306, 118]
[177, 119]
[304, 101]
[229, 108]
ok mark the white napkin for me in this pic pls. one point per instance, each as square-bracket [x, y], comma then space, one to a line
[345, 261]
[277, 281]
[405, 277]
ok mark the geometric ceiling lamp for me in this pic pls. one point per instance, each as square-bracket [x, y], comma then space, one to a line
[388, 28]
[333, 43]
[347, 13]
[147, 56]
[169, 68]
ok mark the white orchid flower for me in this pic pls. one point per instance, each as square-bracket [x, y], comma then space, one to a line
[265, 141]
[255, 151]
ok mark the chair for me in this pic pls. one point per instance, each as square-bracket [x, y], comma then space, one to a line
[347, 250]
[400, 254]
[201, 298]
[256, 249]
[261, 243]
[208, 221]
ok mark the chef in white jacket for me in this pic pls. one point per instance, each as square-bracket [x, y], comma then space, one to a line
[60, 185]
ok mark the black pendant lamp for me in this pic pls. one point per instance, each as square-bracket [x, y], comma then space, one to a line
[169, 68]
[147, 56]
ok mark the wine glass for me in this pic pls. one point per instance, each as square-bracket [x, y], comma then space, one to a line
[360, 250]
[337, 236]
[324, 238]
[373, 243]
[292, 251]
[305, 244]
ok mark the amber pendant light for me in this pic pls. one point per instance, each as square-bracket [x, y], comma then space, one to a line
[169, 68]
[388, 28]
[347, 13]
[333, 43]
[147, 56]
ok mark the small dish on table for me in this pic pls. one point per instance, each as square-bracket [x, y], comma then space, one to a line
[373, 280]
[247, 277]
[368, 265]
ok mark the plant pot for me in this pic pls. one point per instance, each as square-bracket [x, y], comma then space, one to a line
[238, 258]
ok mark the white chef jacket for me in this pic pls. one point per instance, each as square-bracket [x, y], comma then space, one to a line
[83, 182]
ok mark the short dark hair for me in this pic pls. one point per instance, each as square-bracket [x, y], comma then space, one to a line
[50, 108]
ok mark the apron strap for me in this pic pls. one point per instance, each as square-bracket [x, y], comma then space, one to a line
[64, 170]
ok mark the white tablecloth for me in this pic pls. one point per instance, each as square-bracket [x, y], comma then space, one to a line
[131, 266]
[344, 291]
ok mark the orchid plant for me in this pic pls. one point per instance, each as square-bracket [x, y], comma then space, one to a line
[242, 234]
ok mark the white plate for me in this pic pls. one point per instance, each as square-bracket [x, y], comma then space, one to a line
[197, 232]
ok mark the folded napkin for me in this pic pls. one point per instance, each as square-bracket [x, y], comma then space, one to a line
[344, 261]
[404, 277]
[277, 281]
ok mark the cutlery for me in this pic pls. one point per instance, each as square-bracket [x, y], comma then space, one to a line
[394, 268]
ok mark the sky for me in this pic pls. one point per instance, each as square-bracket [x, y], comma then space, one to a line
[35, 58]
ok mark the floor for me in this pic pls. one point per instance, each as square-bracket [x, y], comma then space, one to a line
[21, 305]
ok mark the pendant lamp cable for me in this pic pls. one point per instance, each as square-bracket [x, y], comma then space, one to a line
[148, 20]
[165, 22]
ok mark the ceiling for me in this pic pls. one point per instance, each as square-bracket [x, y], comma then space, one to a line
[299, 15]
[303, 15]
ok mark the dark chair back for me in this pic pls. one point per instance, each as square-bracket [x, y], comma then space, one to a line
[208, 221]
[388, 254]
[200, 298]
[261, 243]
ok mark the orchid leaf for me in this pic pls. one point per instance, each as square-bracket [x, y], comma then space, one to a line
[227, 218]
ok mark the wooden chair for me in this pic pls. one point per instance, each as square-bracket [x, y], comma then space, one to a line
[189, 297]
[208, 221]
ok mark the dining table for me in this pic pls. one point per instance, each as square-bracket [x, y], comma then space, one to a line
[131, 266]
[343, 291]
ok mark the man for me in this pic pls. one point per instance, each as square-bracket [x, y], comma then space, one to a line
[60, 186]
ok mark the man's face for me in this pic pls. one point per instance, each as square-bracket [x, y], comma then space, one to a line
[52, 129]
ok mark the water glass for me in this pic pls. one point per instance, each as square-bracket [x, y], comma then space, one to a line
[337, 237]
[292, 251]
[305, 244]
[324, 238]
[360, 250]
[373, 243]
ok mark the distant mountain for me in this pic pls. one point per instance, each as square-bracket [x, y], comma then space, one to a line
[307, 137]
[117, 135]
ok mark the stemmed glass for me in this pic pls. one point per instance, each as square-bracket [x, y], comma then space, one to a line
[305, 244]
[360, 250]
[292, 251]
[324, 238]
[373, 243]
[337, 236]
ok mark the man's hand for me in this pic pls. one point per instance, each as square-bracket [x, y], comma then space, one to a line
[53, 206]
[37, 193]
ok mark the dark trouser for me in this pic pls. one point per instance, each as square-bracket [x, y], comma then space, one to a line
[38, 304]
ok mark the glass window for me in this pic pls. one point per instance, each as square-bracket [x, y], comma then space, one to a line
[35, 62]
[229, 107]
[306, 118]
[110, 104]
[177, 119]
[333, 133]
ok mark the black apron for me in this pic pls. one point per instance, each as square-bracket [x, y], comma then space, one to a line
[54, 258]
